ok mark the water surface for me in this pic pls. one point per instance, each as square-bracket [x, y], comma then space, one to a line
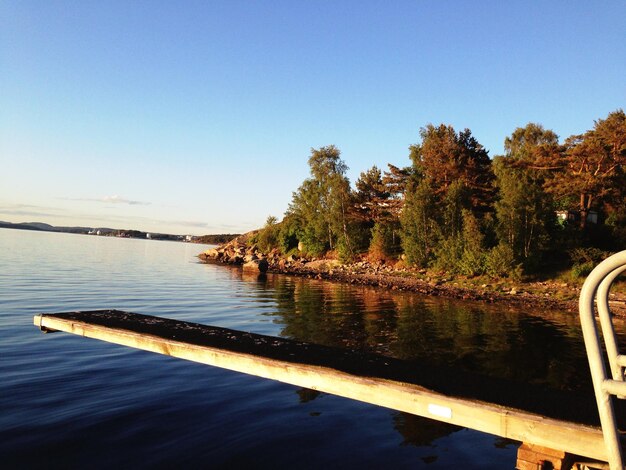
[70, 402]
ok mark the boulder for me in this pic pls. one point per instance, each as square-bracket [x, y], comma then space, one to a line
[256, 265]
[323, 264]
[211, 253]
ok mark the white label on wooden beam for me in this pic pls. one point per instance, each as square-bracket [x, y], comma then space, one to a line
[439, 410]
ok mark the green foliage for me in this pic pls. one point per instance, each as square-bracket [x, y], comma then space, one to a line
[580, 270]
[500, 262]
[472, 261]
[360, 234]
[524, 141]
[463, 253]
[311, 243]
[448, 253]
[587, 255]
[382, 244]
[585, 259]
[419, 230]
[321, 205]
[268, 238]
[445, 157]
[589, 169]
[217, 239]
[288, 235]
[456, 209]
[525, 213]
[455, 201]
[616, 222]
[345, 251]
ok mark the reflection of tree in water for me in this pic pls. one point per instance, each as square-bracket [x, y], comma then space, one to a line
[306, 394]
[418, 431]
[472, 336]
[505, 344]
[421, 432]
[332, 314]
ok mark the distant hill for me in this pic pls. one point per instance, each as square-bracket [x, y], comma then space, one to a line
[44, 227]
[19, 226]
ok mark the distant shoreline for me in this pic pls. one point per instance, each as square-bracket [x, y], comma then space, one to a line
[119, 233]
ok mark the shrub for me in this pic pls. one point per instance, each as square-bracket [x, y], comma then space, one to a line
[582, 269]
[448, 254]
[381, 244]
[500, 262]
[288, 236]
[472, 263]
[267, 238]
[344, 251]
[313, 246]
[592, 255]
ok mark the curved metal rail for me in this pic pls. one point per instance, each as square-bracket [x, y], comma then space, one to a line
[595, 293]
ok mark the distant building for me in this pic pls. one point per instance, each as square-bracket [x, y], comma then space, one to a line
[574, 216]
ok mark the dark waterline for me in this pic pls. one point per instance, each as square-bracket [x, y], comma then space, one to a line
[70, 402]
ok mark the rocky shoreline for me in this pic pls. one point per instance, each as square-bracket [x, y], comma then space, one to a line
[550, 295]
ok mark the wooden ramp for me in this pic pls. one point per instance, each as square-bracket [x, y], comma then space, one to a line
[521, 412]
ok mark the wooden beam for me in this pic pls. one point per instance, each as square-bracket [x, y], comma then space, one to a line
[210, 345]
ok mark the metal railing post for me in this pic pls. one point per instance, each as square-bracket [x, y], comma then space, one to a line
[596, 289]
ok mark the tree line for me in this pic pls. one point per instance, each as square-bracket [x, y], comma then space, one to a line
[543, 205]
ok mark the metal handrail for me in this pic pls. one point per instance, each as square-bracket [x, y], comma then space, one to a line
[595, 292]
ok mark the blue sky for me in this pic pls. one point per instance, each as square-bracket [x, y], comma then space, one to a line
[199, 117]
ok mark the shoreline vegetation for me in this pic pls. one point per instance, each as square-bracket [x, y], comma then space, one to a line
[553, 294]
[525, 227]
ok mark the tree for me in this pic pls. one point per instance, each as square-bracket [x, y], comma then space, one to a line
[525, 213]
[523, 143]
[378, 213]
[594, 165]
[372, 196]
[445, 157]
[396, 181]
[321, 204]
[267, 238]
[420, 231]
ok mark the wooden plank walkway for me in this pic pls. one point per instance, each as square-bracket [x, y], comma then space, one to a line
[521, 412]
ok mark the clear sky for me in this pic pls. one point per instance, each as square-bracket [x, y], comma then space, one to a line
[199, 117]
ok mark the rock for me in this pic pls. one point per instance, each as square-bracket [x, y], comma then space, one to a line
[211, 253]
[300, 246]
[256, 265]
[323, 264]
[250, 257]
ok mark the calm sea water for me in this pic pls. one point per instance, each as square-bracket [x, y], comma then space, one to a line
[69, 402]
